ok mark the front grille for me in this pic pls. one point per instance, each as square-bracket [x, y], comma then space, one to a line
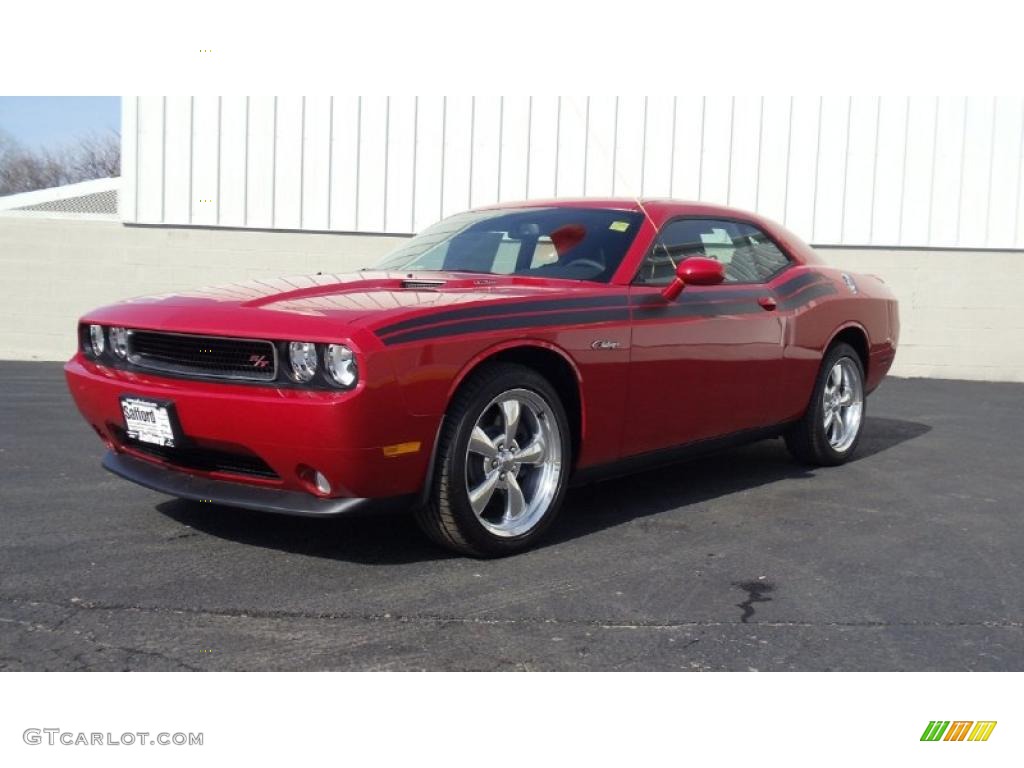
[208, 356]
[191, 456]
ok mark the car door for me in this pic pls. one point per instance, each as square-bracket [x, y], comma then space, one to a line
[708, 364]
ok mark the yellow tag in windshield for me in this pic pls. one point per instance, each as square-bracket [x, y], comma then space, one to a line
[619, 226]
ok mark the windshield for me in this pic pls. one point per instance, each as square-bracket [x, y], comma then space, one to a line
[568, 243]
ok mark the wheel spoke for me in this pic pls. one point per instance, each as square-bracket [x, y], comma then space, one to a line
[510, 415]
[829, 417]
[835, 378]
[480, 443]
[515, 503]
[534, 453]
[847, 397]
[479, 496]
[840, 434]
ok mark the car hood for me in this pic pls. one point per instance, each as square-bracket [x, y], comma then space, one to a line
[313, 307]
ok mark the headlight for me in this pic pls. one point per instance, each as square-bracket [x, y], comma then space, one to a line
[302, 355]
[96, 339]
[119, 341]
[341, 365]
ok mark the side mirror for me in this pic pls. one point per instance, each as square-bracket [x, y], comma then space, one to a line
[695, 270]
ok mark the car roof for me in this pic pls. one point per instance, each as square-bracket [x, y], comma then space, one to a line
[660, 209]
[656, 206]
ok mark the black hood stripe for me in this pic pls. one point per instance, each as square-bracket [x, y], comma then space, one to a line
[583, 317]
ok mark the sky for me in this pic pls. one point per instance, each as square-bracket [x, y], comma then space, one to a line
[45, 122]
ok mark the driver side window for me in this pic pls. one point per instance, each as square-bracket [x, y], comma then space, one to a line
[747, 253]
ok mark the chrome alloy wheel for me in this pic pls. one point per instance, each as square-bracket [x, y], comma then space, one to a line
[513, 462]
[843, 404]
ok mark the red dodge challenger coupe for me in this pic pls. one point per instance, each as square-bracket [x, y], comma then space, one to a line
[487, 363]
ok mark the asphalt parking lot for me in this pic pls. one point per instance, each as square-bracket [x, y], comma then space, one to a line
[909, 558]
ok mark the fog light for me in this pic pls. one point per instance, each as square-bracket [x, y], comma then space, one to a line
[321, 483]
[313, 479]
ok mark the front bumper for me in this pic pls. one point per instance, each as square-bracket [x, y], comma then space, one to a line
[186, 486]
[342, 435]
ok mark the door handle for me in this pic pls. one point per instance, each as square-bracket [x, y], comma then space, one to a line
[767, 303]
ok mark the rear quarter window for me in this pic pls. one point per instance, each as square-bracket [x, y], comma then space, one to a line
[747, 254]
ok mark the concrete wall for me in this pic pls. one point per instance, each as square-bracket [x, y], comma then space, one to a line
[962, 311]
[54, 270]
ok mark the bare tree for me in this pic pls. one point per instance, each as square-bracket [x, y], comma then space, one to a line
[94, 156]
[23, 171]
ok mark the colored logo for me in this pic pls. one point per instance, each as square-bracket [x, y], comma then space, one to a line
[958, 730]
[259, 361]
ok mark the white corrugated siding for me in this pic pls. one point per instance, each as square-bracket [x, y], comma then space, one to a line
[888, 171]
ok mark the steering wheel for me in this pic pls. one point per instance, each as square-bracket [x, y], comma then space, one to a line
[592, 263]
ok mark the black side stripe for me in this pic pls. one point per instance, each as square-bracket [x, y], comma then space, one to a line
[797, 283]
[783, 291]
[502, 308]
[550, 305]
[805, 296]
[621, 314]
[741, 307]
[697, 309]
[514, 321]
[535, 314]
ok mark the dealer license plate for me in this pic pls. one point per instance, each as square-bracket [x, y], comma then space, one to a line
[147, 422]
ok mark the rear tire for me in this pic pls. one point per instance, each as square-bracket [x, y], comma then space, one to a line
[502, 464]
[830, 429]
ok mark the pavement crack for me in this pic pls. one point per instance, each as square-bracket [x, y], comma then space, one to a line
[153, 654]
[756, 593]
[77, 659]
[440, 618]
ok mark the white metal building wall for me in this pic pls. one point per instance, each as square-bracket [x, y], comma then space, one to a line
[887, 171]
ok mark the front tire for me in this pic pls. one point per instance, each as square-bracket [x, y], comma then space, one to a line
[829, 431]
[502, 464]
